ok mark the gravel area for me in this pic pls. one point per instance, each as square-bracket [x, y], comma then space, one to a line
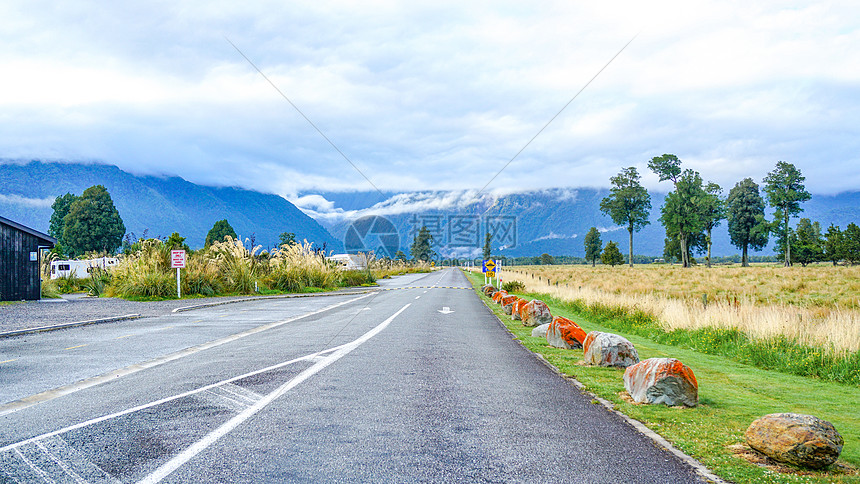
[74, 308]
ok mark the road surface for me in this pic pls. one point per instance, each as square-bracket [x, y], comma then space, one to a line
[416, 382]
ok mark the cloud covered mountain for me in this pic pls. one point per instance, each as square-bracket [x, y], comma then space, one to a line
[155, 205]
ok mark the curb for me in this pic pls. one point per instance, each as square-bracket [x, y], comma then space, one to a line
[700, 468]
[262, 298]
[55, 327]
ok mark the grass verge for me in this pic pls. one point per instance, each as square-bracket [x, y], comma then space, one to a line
[731, 396]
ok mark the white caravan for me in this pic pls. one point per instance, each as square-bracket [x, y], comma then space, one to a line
[80, 268]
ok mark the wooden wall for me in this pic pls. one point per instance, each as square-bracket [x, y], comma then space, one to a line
[19, 277]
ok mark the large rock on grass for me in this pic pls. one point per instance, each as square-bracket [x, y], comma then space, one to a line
[662, 380]
[515, 308]
[540, 331]
[564, 333]
[607, 349]
[535, 313]
[801, 440]
[489, 290]
[497, 297]
[508, 303]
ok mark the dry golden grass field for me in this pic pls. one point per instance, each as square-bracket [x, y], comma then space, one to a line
[816, 305]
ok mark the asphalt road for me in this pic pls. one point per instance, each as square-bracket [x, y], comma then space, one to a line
[383, 387]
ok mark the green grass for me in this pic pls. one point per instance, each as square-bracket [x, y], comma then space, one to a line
[731, 396]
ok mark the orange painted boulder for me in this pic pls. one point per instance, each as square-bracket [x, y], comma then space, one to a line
[535, 313]
[497, 297]
[664, 381]
[489, 290]
[515, 309]
[564, 333]
[508, 303]
[607, 349]
[801, 440]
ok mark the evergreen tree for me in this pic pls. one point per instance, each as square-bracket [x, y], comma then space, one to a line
[628, 203]
[487, 247]
[593, 245]
[851, 243]
[808, 243]
[61, 208]
[713, 210]
[286, 238]
[745, 216]
[93, 223]
[834, 242]
[219, 231]
[785, 192]
[611, 255]
[176, 242]
[422, 246]
[682, 213]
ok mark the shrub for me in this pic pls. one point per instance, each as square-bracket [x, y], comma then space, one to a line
[297, 266]
[514, 286]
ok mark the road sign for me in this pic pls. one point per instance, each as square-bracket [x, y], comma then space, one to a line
[490, 274]
[177, 259]
[489, 266]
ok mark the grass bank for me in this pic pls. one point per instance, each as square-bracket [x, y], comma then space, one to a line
[731, 396]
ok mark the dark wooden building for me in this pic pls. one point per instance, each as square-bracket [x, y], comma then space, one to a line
[19, 261]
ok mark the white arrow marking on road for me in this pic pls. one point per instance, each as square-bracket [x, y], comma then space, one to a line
[445, 310]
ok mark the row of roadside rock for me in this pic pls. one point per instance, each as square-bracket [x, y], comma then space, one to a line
[801, 440]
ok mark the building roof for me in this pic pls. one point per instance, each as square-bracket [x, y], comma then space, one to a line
[49, 241]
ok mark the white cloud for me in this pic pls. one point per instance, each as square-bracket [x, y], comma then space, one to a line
[26, 201]
[436, 95]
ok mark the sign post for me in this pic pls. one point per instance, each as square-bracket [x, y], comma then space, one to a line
[489, 270]
[177, 261]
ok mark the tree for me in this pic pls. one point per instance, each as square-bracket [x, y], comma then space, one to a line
[682, 213]
[745, 216]
[286, 238]
[785, 193]
[667, 167]
[628, 203]
[399, 255]
[176, 242]
[219, 232]
[61, 208]
[592, 245]
[422, 245]
[93, 223]
[808, 243]
[487, 247]
[834, 241]
[546, 259]
[611, 255]
[713, 210]
[851, 243]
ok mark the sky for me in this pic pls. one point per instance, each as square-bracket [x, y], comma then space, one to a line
[434, 95]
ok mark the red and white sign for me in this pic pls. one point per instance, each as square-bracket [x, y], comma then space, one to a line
[177, 259]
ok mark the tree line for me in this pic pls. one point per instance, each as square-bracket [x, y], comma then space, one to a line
[694, 208]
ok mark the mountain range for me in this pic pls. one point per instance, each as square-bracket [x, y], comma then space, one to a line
[526, 223]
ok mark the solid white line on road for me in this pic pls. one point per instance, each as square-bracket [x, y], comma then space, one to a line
[417, 297]
[204, 443]
[111, 375]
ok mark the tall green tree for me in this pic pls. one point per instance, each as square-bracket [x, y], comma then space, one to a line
[286, 238]
[628, 203]
[713, 211]
[785, 192]
[422, 246]
[593, 244]
[487, 247]
[745, 216]
[611, 256]
[219, 231]
[851, 243]
[546, 259]
[61, 207]
[834, 242]
[682, 213]
[176, 242]
[93, 223]
[807, 243]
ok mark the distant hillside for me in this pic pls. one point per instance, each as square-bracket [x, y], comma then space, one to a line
[157, 205]
[554, 221]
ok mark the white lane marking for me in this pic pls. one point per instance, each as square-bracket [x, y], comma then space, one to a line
[66, 469]
[34, 467]
[204, 443]
[425, 292]
[445, 310]
[111, 375]
[417, 297]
